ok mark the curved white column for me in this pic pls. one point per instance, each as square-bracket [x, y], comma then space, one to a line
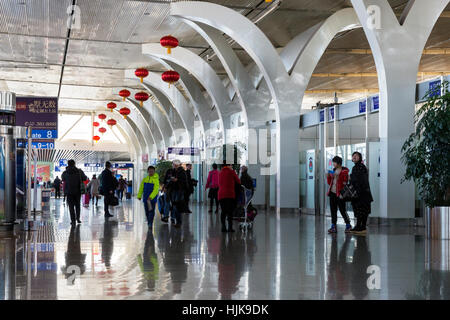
[284, 95]
[397, 48]
[130, 129]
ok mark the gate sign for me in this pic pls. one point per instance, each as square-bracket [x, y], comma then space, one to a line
[63, 163]
[36, 144]
[376, 103]
[92, 165]
[183, 151]
[40, 113]
[362, 106]
[122, 165]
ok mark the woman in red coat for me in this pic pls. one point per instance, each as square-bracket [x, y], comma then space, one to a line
[336, 181]
[227, 196]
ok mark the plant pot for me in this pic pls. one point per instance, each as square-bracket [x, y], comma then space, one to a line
[437, 223]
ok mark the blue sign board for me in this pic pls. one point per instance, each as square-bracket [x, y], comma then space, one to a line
[331, 114]
[36, 143]
[44, 134]
[322, 116]
[362, 106]
[92, 165]
[183, 151]
[63, 163]
[433, 87]
[376, 103]
[40, 113]
[57, 169]
[122, 165]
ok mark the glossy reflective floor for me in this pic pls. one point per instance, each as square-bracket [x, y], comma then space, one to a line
[290, 258]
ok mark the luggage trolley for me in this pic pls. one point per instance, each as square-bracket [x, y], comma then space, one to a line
[249, 215]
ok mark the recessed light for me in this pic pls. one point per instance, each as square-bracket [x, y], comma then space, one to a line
[146, 13]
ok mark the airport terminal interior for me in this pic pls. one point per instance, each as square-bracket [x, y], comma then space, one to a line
[333, 114]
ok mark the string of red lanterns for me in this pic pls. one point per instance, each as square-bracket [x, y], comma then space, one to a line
[102, 116]
[141, 73]
[96, 138]
[141, 97]
[102, 130]
[169, 43]
[170, 77]
[95, 124]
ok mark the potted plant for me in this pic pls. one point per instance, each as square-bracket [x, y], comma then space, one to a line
[161, 167]
[426, 154]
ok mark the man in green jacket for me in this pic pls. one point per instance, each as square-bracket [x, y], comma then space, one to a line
[148, 193]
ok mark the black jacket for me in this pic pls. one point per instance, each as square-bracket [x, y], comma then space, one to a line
[57, 182]
[359, 178]
[247, 181]
[73, 177]
[108, 182]
[189, 181]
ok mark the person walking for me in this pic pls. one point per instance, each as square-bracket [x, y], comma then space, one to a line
[166, 188]
[73, 178]
[108, 186]
[359, 178]
[148, 193]
[212, 183]
[336, 180]
[121, 188]
[87, 195]
[57, 186]
[227, 195]
[94, 186]
[178, 186]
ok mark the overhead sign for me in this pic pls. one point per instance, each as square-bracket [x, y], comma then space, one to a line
[376, 103]
[92, 165]
[63, 163]
[40, 113]
[36, 143]
[331, 114]
[321, 115]
[434, 88]
[183, 151]
[362, 107]
[122, 165]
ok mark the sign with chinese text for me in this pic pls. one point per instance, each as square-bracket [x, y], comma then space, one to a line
[40, 113]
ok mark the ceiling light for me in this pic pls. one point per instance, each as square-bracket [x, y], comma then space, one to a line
[146, 13]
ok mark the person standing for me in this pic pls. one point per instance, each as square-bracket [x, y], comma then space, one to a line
[177, 185]
[73, 178]
[336, 181]
[228, 180]
[121, 188]
[94, 186]
[57, 186]
[359, 178]
[190, 187]
[108, 185]
[213, 184]
[148, 193]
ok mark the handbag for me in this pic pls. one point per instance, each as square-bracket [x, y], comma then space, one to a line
[348, 193]
[113, 200]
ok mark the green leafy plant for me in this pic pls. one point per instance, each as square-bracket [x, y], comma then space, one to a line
[426, 152]
[161, 167]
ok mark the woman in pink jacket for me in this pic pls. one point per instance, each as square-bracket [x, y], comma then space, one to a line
[213, 184]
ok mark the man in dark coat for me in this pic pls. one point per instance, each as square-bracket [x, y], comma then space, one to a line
[109, 184]
[57, 186]
[190, 187]
[73, 179]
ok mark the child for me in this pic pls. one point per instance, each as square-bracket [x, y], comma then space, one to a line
[148, 192]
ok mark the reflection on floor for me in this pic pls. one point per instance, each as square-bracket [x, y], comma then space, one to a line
[289, 258]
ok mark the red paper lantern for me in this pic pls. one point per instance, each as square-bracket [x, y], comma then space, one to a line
[111, 106]
[102, 130]
[102, 116]
[170, 77]
[96, 138]
[141, 97]
[124, 111]
[111, 122]
[141, 73]
[124, 94]
[95, 124]
[169, 43]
